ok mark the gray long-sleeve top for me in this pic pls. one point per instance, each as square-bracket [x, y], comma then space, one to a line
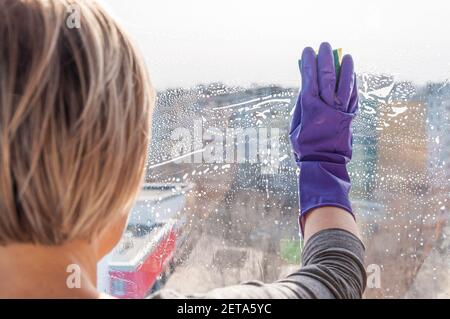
[332, 268]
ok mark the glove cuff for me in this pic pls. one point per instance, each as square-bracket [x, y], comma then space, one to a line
[323, 184]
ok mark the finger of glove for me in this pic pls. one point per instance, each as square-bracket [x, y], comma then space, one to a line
[354, 101]
[346, 84]
[296, 116]
[308, 70]
[327, 73]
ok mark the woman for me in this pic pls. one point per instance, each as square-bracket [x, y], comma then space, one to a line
[75, 116]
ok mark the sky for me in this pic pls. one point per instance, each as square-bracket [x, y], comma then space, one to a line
[244, 42]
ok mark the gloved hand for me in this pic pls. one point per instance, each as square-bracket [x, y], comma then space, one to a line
[321, 134]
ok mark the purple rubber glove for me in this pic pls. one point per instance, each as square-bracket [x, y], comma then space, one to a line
[321, 133]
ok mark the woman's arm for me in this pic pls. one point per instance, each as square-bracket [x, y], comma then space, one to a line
[332, 267]
[327, 218]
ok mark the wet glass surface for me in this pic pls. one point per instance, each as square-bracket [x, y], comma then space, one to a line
[225, 182]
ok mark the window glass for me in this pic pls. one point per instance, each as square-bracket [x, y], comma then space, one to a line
[220, 201]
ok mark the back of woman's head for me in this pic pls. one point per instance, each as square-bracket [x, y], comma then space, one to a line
[75, 106]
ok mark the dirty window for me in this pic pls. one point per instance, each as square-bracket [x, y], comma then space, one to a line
[219, 204]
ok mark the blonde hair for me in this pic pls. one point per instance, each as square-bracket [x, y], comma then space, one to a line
[75, 107]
